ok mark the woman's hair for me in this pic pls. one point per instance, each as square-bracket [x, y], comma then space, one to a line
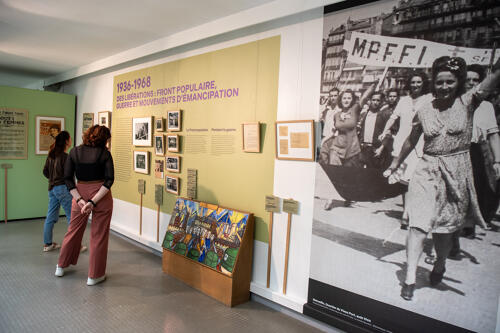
[59, 145]
[421, 74]
[347, 91]
[96, 136]
[454, 65]
[477, 69]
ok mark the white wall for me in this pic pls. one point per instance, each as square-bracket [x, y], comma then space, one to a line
[298, 95]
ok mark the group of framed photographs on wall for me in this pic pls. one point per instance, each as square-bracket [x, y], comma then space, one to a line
[142, 136]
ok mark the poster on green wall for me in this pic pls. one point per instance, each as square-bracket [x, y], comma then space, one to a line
[13, 133]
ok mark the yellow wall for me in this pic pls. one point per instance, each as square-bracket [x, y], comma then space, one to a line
[234, 179]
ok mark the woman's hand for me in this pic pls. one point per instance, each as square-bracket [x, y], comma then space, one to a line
[80, 203]
[87, 208]
[392, 173]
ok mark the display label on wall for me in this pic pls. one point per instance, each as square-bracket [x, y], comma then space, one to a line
[192, 183]
[204, 99]
[13, 133]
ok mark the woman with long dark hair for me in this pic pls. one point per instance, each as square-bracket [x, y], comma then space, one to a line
[58, 193]
[92, 164]
[441, 191]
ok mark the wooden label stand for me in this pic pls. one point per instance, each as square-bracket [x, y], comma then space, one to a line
[229, 289]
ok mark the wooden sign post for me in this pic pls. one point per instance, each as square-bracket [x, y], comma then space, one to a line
[272, 205]
[5, 167]
[290, 206]
[141, 187]
[159, 202]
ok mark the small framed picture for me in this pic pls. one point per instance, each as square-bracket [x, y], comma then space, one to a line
[159, 168]
[159, 145]
[173, 143]
[141, 132]
[172, 184]
[47, 128]
[104, 118]
[174, 121]
[159, 124]
[141, 161]
[173, 163]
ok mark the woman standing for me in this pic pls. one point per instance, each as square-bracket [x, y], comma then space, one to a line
[442, 181]
[58, 193]
[92, 164]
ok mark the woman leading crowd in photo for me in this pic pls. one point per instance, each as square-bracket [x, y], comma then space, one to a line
[443, 180]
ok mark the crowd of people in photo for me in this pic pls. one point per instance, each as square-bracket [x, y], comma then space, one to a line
[438, 135]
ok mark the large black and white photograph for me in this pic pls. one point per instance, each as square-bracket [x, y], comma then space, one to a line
[141, 162]
[406, 193]
[142, 131]
[172, 184]
[173, 143]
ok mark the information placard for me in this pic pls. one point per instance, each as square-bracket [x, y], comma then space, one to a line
[13, 133]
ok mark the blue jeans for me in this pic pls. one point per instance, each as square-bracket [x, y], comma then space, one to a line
[58, 196]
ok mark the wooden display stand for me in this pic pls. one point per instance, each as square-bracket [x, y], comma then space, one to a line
[230, 290]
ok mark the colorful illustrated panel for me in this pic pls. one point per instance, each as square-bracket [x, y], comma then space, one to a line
[205, 233]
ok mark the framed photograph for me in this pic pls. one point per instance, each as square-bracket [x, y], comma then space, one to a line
[46, 129]
[87, 121]
[295, 140]
[159, 168]
[173, 143]
[172, 184]
[173, 163]
[251, 137]
[159, 124]
[174, 121]
[141, 161]
[104, 118]
[159, 145]
[142, 131]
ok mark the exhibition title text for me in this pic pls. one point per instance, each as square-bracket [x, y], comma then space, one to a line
[182, 93]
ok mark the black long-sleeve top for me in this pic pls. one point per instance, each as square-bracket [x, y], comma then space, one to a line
[89, 164]
[54, 170]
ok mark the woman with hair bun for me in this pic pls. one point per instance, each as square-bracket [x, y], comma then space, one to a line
[442, 182]
[58, 193]
[92, 164]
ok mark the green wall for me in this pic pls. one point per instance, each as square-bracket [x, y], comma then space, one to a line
[27, 187]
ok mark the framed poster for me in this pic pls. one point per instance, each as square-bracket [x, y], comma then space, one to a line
[104, 119]
[159, 124]
[174, 121]
[159, 168]
[159, 145]
[251, 137]
[87, 121]
[142, 131]
[172, 184]
[141, 161]
[173, 143]
[46, 130]
[295, 140]
[173, 163]
[13, 133]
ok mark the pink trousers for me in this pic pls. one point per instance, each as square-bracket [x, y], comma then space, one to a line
[99, 233]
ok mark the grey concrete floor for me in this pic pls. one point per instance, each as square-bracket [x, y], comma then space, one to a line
[136, 297]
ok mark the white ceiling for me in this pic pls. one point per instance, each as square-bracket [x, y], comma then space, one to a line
[43, 38]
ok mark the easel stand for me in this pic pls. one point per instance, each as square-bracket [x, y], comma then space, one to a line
[286, 251]
[158, 224]
[269, 248]
[140, 217]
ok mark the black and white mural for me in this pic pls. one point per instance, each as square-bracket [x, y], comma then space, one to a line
[405, 232]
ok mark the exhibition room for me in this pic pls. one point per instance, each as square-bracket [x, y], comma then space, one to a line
[250, 165]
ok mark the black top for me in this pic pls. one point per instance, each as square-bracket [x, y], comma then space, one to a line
[54, 170]
[88, 164]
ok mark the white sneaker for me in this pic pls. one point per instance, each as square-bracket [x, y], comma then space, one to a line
[59, 271]
[93, 282]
